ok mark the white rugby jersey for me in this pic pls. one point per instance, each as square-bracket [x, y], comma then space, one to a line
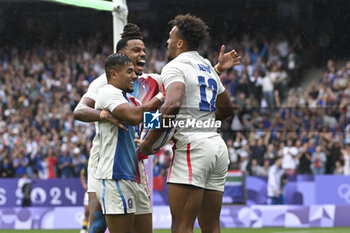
[202, 85]
[91, 93]
[145, 88]
[117, 154]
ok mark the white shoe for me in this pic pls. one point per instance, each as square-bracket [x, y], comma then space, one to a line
[83, 231]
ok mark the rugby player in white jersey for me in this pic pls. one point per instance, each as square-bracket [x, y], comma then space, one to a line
[199, 165]
[118, 189]
[147, 86]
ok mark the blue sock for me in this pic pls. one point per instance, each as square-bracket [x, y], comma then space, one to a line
[99, 224]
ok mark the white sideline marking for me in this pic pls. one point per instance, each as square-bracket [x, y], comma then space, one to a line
[311, 231]
[293, 232]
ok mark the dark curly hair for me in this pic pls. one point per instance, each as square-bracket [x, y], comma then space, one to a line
[192, 29]
[131, 32]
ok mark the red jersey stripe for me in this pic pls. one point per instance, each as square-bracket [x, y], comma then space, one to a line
[189, 163]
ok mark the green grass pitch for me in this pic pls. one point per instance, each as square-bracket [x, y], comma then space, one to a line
[224, 230]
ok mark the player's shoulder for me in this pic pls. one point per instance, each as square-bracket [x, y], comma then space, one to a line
[99, 82]
[177, 63]
[188, 58]
[109, 89]
[150, 76]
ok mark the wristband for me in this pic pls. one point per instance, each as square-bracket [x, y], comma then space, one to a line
[103, 114]
[218, 69]
[160, 96]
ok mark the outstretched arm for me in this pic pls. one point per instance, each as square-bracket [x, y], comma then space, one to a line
[133, 115]
[86, 112]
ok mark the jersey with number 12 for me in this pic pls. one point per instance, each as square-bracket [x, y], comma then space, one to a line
[202, 86]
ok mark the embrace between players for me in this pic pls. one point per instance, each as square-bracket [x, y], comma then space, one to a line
[117, 183]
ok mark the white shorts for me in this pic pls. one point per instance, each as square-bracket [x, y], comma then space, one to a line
[143, 203]
[92, 181]
[119, 196]
[202, 163]
[86, 199]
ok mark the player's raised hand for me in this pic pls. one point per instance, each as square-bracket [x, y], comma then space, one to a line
[227, 60]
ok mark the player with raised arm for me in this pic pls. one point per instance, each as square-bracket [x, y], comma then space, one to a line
[198, 169]
[119, 190]
[132, 45]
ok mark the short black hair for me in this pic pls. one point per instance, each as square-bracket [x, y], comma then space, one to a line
[115, 61]
[130, 32]
[192, 29]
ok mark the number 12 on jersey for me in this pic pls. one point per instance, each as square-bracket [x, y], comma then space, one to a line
[204, 105]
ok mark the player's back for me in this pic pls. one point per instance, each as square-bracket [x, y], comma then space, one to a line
[202, 85]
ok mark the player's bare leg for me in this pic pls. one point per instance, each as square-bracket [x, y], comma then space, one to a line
[96, 218]
[143, 223]
[209, 214]
[185, 202]
[120, 223]
[86, 219]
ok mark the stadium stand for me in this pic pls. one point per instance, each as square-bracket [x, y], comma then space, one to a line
[43, 77]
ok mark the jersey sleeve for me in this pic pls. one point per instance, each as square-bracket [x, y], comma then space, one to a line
[171, 73]
[221, 87]
[110, 98]
[95, 86]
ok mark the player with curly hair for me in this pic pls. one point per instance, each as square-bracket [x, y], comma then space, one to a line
[145, 87]
[200, 161]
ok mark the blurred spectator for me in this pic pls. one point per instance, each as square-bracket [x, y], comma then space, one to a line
[162, 160]
[256, 170]
[270, 154]
[78, 161]
[318, 161]
[6, 168]
[289, 162]
[254, 53]
[51, 160]
[232, 155]
[157, 167]
[304, 157]
[258, 150]
[274, 183]
[65, 164]
[24, 185]
[339, 169]
[243, 163]
[20, 164]
[265, 169]
[255, 85]
[334, 154]
[268, 90]
[346, 158]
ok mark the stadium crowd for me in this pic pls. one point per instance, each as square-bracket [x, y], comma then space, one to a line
[40, 87]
